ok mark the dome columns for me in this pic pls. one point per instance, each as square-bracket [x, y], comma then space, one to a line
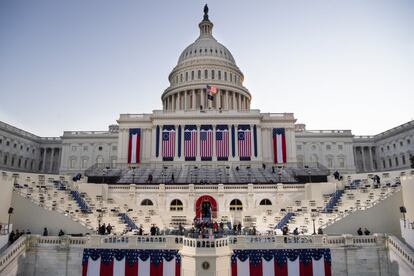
[196, 98]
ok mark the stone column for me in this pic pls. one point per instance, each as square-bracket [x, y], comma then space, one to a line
[239, 101]
[354, 149]
[252, 139]
[214, 143]
[227, 100]
[185, 100]
[178, 102]
[44, 160]
[234, 102]
[52, 153]
[218, 101]
[371, 160]
[363, 159]
[198, 157]
[202, 98]
[194, 99]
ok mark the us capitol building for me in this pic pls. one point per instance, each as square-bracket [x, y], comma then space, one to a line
[188, 108]
[207, 186]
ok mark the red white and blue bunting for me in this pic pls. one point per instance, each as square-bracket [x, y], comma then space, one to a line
[284, 262]
[111, 262]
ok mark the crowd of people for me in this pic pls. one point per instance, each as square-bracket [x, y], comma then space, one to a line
[15, 235]
[365, 232]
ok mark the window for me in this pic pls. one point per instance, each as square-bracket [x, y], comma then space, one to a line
[340, 147]
[328, 147]
[192, 75]
[176, 205]
[212, 74]
[100, 148]
[403, 159]
[401, 143]
[114, 148]
[1, 141]
[84, 163]
[219, 75]
[265, 201]
[5, 160]
[12, 161]
[15, 145]
[225, 76]
[33, 151]
[341, 162]
[21, 147]
[181, 77]
[299, 147]
[205, 74]
[408, 141]
[19, 163]
[73, 148]
[72, 163]
[394, 146]
[383, 164]
[99, 160]
[236, 205]
[382, 149]
[7, 143]
[199, 74]
[27, 150]
[330, 162]
[388, 147]
[25, 163]
[396, 162]
[147, 202]
[186, 76]
[390, 162]
[85, 148]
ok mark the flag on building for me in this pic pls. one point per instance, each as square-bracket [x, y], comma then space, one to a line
[211, 91]
[206, 142]
[244, 142]
[130, 262]
[283, 262]
[168, 142]
[222, 142]
[190, 142]
[134, 146]
[279, 145]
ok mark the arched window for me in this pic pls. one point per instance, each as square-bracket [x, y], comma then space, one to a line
[265, 201]
[212, 74]
[147, 202]
[192, 75]
[176, 205]
[186, 76]
[199, 74]
[205, 73]
[236, 205]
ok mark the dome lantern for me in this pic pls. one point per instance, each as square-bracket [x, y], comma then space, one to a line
[206, 26]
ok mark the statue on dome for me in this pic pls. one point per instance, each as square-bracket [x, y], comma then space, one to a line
[205, 12]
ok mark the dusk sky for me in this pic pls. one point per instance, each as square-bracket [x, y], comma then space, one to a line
[77, 65]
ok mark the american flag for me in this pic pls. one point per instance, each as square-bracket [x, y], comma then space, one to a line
[244, 142]
[279, 145]
[206, 142]
[212, 89]
[190, 142]
[168, 143]
[222, 143]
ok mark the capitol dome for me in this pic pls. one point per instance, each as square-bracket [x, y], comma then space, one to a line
[206, 62]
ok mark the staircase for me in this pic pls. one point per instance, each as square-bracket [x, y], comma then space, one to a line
[333, 201]
[284, 220]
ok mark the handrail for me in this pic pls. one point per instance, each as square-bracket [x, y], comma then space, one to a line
[13, 251]
[402, 250]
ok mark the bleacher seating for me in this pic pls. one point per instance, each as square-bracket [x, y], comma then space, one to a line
[284, 220]
[333, 201]
[131, 224]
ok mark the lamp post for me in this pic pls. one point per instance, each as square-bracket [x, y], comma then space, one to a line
[403, 210]
[99, 222]
[10, 212]
[313, 221]
[133, 175]
[310, 178]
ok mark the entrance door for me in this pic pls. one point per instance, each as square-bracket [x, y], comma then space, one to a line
[206, 207]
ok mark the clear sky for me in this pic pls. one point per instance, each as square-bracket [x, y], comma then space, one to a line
[76, 65]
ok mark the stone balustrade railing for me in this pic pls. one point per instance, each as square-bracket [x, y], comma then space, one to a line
[13, 251]
[402, 250]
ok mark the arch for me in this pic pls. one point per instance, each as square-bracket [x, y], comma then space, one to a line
[176, 205]
[236, 205]
[265, 201]
[209, 199]
[147, 202]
